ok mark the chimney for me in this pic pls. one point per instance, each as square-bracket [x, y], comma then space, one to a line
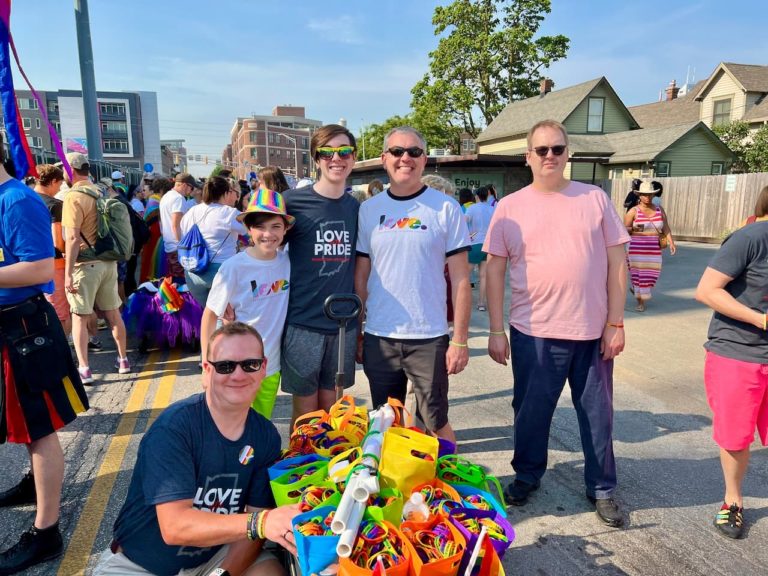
[672, 91]
[545, 86]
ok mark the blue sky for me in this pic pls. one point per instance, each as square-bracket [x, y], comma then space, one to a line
[210, 62]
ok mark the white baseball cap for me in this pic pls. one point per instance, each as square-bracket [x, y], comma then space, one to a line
[117, 175]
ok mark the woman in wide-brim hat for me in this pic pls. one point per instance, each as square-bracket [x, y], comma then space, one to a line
[645, 223]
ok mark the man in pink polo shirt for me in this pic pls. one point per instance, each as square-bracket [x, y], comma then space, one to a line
[564, 243]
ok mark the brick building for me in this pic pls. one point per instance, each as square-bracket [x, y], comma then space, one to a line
[281, 139]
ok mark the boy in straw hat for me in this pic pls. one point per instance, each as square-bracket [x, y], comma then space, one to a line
[255, 284]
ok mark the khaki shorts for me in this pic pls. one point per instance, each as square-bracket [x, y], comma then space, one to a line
[111, 564]
[96, 283]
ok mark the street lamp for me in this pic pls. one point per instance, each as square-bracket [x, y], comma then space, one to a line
[295, 155]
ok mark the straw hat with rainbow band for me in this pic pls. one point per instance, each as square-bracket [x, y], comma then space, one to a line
[266, 201]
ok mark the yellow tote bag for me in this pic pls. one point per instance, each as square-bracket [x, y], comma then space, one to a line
[408, 458]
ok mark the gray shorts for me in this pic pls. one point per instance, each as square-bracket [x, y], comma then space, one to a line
[309, 360]
[390, 363]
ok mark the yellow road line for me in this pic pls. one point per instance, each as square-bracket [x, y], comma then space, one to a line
[81, 542]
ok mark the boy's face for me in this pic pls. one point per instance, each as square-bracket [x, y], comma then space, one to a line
[268, 234]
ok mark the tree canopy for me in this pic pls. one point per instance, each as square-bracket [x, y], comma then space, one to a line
[751, 149]
[489, 57]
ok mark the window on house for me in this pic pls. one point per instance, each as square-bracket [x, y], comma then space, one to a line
[35, 141]
[252, 137]
[271, 137]
[718, 168]
[53, 106]
[305, 157]
[663, 169]
[468, 145]
[114, 145]
[595, 115]
[112, 126]
[305, 142]
[277, 153]
[37, 123]
[721, 113]
[27, 123]
[254, 152]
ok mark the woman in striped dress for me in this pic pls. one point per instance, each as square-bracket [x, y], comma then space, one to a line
[644, 222]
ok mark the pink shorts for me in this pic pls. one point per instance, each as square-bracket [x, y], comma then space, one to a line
[737, 393]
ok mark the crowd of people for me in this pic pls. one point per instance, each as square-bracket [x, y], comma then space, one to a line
[263, 329]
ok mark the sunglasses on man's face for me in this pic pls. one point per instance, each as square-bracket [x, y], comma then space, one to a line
[228, 366]
[344, 152]
[398, 151]
[544, 150]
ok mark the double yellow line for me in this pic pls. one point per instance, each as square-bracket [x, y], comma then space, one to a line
[81, 542]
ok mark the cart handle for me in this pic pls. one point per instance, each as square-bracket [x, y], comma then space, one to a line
[338, 315]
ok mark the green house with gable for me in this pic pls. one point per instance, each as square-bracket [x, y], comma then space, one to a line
[606, 141]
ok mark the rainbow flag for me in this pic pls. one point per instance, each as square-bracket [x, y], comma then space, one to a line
[170, 299]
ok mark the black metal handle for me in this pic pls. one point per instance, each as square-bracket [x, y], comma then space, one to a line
[331, 304]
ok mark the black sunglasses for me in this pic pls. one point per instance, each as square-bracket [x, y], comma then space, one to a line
[544, 150]
[398, 151]
[228, 366]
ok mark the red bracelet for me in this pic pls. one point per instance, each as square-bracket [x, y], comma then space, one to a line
[620, 325]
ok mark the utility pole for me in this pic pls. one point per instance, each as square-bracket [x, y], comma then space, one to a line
[88, 80]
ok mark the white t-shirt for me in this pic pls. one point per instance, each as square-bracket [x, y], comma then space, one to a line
[408, 240]
[478, 219]
[219, 227]
[170, 203]
[258, 292]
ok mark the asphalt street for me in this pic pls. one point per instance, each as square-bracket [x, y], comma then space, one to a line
[670, 483]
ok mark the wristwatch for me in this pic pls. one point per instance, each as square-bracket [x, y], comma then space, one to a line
[218, 572]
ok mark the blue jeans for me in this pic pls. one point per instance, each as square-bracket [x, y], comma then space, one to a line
[540, 367]
[200, 284]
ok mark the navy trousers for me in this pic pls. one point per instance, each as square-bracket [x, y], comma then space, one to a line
[540, 367]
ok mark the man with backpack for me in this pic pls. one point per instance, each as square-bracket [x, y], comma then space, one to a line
[90, 275]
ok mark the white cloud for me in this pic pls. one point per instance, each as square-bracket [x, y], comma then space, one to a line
[344, 29]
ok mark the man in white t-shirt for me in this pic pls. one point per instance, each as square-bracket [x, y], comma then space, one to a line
[405, 237]
[172, 207]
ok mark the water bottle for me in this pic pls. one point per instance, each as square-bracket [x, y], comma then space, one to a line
[415, 509]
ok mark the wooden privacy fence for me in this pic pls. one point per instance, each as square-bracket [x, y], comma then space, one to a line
[703, 208]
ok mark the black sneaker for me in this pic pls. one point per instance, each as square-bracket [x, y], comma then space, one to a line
[34, 546]
[95, 344]
[608, 511]
[518, 492]
[22, 493]
[730, 521]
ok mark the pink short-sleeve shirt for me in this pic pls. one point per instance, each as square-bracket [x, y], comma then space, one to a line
[557, 245]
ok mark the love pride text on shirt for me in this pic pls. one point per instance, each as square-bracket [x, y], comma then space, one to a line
[267, 288]
[220, 500]
[332, 242]
[400, 223]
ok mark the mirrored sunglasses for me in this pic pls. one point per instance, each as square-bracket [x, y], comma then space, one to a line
[544, 150]
[228, 366]
[398, 151]
[344, 152]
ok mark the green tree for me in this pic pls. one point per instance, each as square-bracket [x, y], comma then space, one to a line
[488, 58]
[750, 148]
[734, 135]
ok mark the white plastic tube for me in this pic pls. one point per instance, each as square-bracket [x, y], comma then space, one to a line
[349, 535]
[476, 551]
[343, 512]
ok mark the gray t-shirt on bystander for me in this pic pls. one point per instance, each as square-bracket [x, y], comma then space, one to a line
[744, 257]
